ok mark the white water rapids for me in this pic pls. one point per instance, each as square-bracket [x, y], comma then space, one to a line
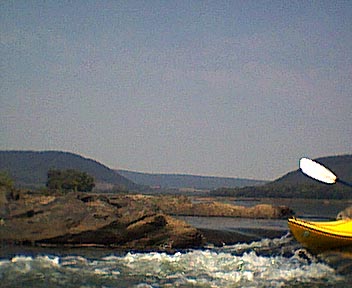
[265, 263]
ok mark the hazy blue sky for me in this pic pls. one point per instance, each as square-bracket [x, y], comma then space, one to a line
[223, 88]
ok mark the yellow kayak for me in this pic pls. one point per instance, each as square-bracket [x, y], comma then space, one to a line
[319, 236]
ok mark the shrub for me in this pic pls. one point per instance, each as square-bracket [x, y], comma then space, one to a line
[70, 180]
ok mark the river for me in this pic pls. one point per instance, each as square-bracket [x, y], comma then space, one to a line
[275, 262]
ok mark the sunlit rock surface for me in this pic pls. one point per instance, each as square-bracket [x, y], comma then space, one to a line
[78, 219]
[128, 222]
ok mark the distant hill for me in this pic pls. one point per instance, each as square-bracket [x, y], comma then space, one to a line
[179, 181]
[340, 165]
[29, 168]
[297, 185]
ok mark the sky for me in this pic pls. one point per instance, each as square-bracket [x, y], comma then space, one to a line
[218, 88]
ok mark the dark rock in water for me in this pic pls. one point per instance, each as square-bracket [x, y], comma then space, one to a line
[130, 222]
[340, 260]
[225, 237]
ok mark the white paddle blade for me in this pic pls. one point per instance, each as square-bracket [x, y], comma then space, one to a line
[317, 171]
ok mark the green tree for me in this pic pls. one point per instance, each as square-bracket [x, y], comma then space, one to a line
[5, 180]
[70, 180]
[7, 190]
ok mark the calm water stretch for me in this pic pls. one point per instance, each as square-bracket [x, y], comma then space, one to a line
[278, 262]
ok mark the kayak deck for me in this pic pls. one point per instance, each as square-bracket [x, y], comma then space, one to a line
[322, 235]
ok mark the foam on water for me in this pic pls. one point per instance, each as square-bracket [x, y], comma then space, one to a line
[224, 269]
[242, 265]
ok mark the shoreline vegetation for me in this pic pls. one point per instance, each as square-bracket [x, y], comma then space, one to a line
[287, 190]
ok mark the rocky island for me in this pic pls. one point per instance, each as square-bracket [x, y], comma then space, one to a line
[118, 221]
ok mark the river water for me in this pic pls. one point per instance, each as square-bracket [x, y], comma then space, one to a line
[276, 262]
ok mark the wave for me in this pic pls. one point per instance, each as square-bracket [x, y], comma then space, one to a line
[267, 263]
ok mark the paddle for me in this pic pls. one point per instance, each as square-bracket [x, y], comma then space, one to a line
[319, 172]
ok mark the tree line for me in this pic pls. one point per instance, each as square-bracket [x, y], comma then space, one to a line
[62, 180]
[307, 191]
[70, 180]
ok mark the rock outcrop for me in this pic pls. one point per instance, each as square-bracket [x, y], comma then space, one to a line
[79, 219]
[126, 222]
[183, 206]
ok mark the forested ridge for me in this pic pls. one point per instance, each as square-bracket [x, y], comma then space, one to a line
[297, 185]
[30, 168]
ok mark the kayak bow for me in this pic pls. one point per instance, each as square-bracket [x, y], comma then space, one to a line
[319, 236]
